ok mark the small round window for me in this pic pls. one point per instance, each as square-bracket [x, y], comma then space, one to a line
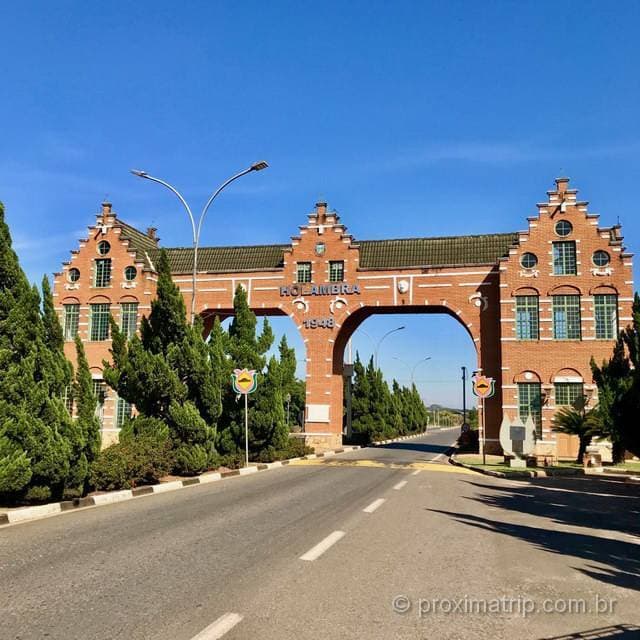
[103, 248]
[564, 228]
[74, 275]
[601, 258]
[130, 273]
[528, 260]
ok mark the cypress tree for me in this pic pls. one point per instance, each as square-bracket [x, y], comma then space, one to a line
[245, 350]
[361, 403]
[86, 405]
[53, 330]
[166, 324]
[220, 366]
[141, 377]
[33, 419]
[268, 429]
[291, 386]
[167, 374]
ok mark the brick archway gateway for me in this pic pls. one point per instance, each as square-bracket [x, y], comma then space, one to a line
[528, 299]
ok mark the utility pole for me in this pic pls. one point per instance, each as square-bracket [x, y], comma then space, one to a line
[464, 395]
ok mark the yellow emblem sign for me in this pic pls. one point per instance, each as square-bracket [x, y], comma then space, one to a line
[244, 381]
[484, 387]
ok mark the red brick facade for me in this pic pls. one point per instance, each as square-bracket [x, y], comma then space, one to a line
[480, 294]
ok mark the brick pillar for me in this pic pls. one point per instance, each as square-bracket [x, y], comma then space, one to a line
[323, 413]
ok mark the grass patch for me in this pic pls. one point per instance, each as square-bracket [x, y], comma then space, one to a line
[629, 465]
[497, 463]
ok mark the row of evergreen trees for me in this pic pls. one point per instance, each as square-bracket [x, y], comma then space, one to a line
[378, 412]
[44, 452]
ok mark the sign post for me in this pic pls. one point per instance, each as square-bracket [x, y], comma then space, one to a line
[483, 387]
[245, 382]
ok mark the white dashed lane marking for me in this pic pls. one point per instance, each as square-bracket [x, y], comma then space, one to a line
[321, 547]
[374, 505]
[221, 626]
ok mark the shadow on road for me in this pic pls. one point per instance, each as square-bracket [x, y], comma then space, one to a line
[597, 503]
[615, 632]
[418, 447]
[602, 503]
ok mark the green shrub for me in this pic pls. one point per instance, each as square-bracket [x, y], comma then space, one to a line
[38, 494]
[232, 460]
[295, 448]
[149, 459]
[191, 459]
[110, 470]
[141, 460]
[144, 426]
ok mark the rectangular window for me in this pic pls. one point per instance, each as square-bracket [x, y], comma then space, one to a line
[336, 271]
[566, 317]
[530, 403]
[67, 398]
[128, 318]
[102, 273]
[527, 318]
[99, 321]
[100, 392]
[303, 272]
[564, 258]
[123, 412]
[71, 319]
[567, 393]
[606, 316]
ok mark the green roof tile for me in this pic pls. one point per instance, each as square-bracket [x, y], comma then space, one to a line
[227, 259]
[435, 252]
[374, 254]
[141, 244]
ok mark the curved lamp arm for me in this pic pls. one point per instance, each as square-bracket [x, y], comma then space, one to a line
[257, 166]
[380, 342]
[146, 176]
[413, 371]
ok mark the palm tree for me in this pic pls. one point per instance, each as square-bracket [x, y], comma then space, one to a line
[578, 422]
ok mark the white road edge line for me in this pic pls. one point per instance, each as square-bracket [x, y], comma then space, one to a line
[416, 472]
[374, 505]
[400, 484]
[321, 547]
[216, 630]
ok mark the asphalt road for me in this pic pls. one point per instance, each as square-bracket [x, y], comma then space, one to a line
[466, 555]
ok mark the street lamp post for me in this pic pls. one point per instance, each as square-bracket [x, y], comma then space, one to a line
[196, 229]
[415, 366]
[377, 349]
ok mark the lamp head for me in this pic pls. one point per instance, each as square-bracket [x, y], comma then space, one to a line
[259, 166]
[140, 174]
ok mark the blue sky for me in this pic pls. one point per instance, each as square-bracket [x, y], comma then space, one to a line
[410, 118]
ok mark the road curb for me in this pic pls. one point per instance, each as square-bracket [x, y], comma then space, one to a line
[413, 435]
[29, 514]
[533, 473]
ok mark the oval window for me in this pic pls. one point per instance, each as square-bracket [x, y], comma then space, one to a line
[528, 260]
[74, 275]
[130, 273]
[564, 228]
[103, 248]
[601, 258]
